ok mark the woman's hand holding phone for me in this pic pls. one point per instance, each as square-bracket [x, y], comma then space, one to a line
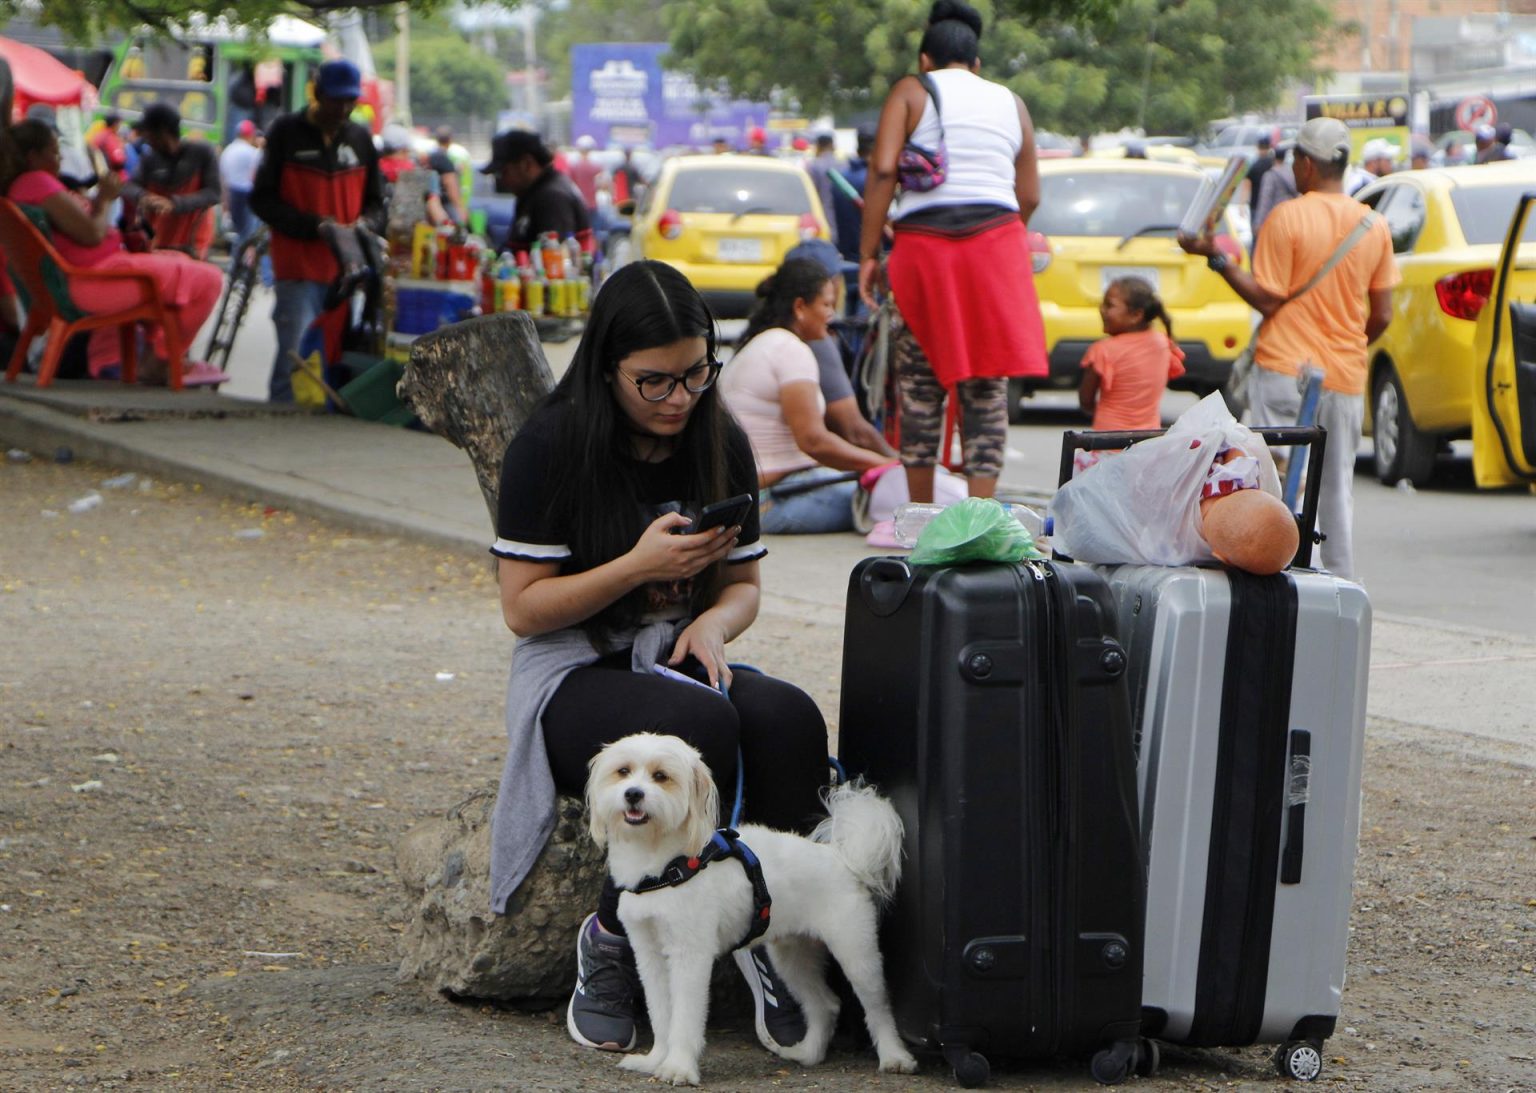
[704, 640]
[667, 552]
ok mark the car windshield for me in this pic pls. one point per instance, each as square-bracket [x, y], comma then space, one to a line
[739, 190]
[1117, 203]
[1485, 212]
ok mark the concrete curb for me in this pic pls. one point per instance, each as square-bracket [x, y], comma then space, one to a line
[41, 430]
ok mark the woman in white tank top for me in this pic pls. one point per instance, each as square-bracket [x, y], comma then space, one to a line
[959, 270]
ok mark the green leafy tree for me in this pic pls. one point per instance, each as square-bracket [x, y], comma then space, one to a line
[449, 76]
[1167, 65]
[83, 20]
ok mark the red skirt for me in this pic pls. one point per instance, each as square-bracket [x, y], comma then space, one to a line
[970, 301]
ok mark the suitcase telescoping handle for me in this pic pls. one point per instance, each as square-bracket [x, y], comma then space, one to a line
[1276, 436]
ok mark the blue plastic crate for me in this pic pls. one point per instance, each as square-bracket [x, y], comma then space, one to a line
[423, 310]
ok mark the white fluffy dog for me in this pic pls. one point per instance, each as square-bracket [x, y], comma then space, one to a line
[651, 799]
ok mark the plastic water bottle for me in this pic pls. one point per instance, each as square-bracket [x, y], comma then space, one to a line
[911, 518]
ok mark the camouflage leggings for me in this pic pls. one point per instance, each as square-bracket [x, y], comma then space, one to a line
[983, 410]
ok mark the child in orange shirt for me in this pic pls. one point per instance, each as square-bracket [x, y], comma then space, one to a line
[1125, 374]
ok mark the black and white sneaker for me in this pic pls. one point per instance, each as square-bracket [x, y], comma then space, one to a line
[602, 1009]
[780, 1020]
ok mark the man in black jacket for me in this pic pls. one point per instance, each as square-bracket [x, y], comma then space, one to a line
[176, 184]
[547, 201]
[319, 174]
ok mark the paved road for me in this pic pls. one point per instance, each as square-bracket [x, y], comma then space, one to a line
[1449, 554]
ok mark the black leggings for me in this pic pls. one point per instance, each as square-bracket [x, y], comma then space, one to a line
[781, 734]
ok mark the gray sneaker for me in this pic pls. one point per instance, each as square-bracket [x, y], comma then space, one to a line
[780, 1020]
[602, 1009]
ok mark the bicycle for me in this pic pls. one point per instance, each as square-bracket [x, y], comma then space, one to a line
[240, 279]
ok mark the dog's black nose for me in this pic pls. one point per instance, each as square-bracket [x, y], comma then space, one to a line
[634, 795]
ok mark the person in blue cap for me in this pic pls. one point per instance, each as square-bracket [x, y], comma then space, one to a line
[319, 174]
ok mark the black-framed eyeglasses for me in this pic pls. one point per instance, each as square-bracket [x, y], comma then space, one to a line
[658, 386]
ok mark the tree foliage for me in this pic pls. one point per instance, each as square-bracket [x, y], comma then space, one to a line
[449, 76]
[1167, 65]
[84, 20]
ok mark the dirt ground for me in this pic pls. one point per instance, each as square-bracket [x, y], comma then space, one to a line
[211, 739]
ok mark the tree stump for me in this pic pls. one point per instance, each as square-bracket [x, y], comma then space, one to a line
[455, 944]
[474, 383]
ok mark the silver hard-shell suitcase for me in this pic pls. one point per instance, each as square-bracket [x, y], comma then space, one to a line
[1248, 696]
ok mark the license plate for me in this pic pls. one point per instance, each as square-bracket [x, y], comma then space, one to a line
[1114, 273]
[740, 250]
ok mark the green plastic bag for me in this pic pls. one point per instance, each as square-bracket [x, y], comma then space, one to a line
[978, 529]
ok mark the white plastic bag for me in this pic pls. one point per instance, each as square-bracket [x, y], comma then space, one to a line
[1142, 505]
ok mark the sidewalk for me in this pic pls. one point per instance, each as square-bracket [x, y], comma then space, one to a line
[413, 484]
[368, 476]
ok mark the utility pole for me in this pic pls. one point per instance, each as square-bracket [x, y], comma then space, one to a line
[531, 66]
[403, 64]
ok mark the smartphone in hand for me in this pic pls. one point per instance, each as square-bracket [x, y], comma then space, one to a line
[681, 677]
[728, 513]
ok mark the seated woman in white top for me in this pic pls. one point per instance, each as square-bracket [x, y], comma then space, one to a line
[771, 387]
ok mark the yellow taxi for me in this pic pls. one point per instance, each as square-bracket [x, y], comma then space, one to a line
[1100, 219]
[1448, 225]
[1504, 361]
[725, 222]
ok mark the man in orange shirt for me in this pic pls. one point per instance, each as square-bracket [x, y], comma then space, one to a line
[1329, 327]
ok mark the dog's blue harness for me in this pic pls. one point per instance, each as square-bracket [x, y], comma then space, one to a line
[725, 843]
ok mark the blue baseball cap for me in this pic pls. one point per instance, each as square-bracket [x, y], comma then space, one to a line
[338, 79]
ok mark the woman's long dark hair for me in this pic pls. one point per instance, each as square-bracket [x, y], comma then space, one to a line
[17, 143]
[644, 305]
[795, 280]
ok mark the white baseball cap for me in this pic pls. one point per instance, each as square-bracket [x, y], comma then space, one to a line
[586, 143]
[1324, 139]
[1379, 148]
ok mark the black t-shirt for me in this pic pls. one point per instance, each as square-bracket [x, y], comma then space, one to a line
[552, 204]
[440, 162]
[529, 527]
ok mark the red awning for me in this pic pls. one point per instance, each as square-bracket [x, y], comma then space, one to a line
[39, 77]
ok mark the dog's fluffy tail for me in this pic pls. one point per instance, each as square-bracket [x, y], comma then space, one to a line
[864, 830]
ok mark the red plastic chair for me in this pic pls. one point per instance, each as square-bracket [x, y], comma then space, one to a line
[44, 279]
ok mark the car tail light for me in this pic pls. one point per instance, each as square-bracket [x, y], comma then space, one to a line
[1230, 247]
[1039, 251]
[1462, 295]
[670, 225]
[809, 229]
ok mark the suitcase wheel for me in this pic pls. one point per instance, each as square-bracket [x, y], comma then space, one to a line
[1114, 1064]
[971, 1069]
[1300, 1059]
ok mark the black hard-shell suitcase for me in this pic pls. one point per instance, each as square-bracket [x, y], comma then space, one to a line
[989, 703]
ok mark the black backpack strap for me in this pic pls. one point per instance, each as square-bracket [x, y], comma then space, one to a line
[938, 106]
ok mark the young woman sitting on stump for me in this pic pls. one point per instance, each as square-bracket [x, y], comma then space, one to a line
[602, 580]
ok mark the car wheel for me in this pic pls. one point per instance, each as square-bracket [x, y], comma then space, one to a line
[1401, 450]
